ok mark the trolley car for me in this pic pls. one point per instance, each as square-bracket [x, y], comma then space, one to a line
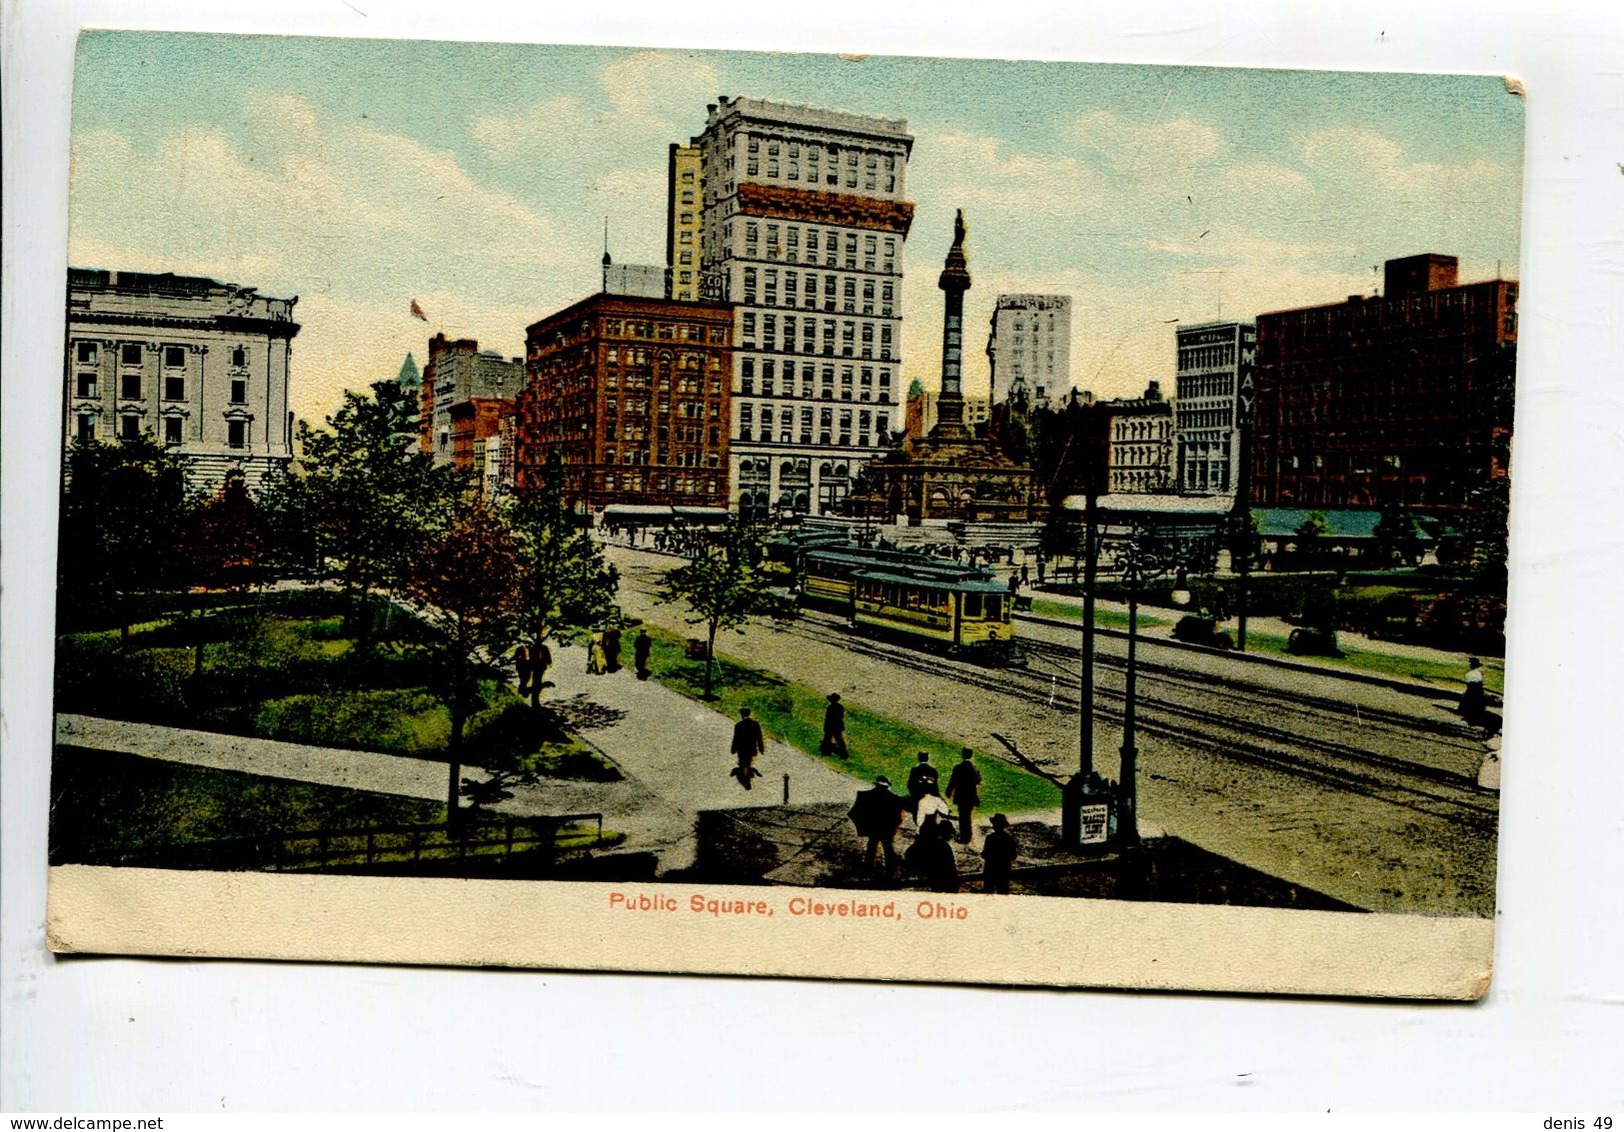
[906, 596]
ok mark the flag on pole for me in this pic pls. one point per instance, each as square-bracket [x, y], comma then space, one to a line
[417, 311]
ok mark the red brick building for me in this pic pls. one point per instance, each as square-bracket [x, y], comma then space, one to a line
[1405, 398]
[633, 393]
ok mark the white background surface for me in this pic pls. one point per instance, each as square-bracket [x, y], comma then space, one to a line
[173, 1035]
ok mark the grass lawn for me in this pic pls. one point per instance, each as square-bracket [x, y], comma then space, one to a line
[1450, 677]
[878, 744]
[1103, 618]
[288, 671]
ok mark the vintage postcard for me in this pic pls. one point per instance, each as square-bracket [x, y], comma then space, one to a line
[855, 517]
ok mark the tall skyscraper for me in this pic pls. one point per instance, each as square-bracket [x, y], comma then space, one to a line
[1206, 442]
[1030, 346]
[802, 229]
[684, 198]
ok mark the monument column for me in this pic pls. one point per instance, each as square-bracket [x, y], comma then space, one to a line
[954, 281]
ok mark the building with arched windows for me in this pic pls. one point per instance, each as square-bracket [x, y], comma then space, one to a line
[632, 394]
[198, 366]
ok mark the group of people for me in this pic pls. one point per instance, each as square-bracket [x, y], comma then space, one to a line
[879, 814]
[602, 656]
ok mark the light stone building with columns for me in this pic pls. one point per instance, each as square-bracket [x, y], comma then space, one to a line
[199, 366]
[802, 229]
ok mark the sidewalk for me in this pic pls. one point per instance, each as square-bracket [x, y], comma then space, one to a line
[679, 748]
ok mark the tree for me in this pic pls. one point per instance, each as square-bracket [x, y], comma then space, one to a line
[222, 546]
[122, 510]
[564, 584]
[1488, 511]
[463, 584]
[1396, 535]
[371, 496]
[1310, 534]
[723, 584]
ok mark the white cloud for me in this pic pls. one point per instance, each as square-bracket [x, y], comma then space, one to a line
[1146, 150]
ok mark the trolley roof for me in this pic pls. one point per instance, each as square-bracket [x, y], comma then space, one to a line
[961, 584]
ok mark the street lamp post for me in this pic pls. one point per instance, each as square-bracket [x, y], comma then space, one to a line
[1071, 811]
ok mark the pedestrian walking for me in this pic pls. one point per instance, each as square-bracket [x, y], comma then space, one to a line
[540, 661]
[834, 727]
[998, 856]
[748, 744]
[1474, 700]
[964, 789]
[521, 666]
[877, 814]
[640, 652]
[922, 780]
[611, 648]
[1026, 575]
[596, 664]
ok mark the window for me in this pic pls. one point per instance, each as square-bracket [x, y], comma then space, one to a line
[239, 391]
[130, 353]
[171, 430]
[86, 430]
[130, 386]
[239, 356]
[174, 357]
[129, 427]
[86, 353]
[86, 385]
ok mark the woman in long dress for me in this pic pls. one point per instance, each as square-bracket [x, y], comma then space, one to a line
[596, 662]
[1473, 702]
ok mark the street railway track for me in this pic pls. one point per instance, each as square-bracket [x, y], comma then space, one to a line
[1326, 760]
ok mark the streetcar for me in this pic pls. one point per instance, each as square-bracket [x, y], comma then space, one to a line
[926, 602]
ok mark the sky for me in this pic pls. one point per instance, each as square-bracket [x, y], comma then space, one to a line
[476, 178]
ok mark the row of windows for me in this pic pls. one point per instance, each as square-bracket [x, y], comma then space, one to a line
[132, 427]
[1140, 454]
[847, 345]
[1204, 418]
[1206, 357]
[1131, 429]
[805, 243]
[664, 331]
[681, 485]
[835, 290]
[1208, 385]
[825, 417]
[795, 470]
[768, 383]
[132, 387]
[134, 354]
[638, 457]
[788, 160]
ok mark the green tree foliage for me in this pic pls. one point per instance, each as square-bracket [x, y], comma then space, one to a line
[1311, 537]
[123, 507]
[1397, 536]
[724, 584]
[463, 584]
[371, 496]
[1488, 513]
[564, 584]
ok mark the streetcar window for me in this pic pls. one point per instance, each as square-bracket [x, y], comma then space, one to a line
[972, 605]
[995, 607]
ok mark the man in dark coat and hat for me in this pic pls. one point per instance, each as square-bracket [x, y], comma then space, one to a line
[748, 743]
[998, 856]
[877, 814]
[922, 780]
[964, 789]
[834, 727]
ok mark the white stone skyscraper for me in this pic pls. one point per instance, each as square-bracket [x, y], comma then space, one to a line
[803, 226]
[1030, 345]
